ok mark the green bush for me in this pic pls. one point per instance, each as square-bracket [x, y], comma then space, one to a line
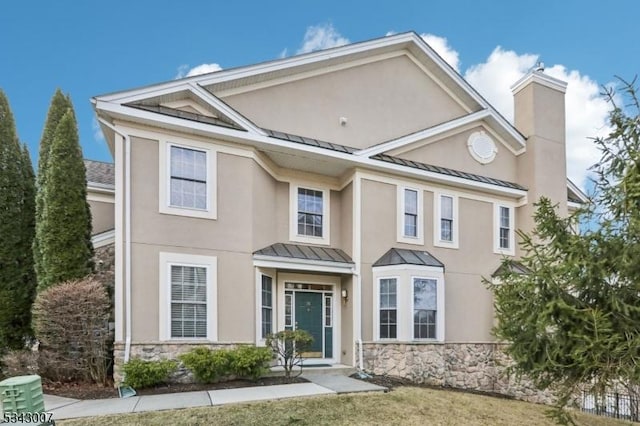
[207, 365]
[250, 361]
[144, 374]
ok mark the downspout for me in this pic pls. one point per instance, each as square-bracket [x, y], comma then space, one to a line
[127, 227]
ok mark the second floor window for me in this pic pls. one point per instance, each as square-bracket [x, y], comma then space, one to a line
[410, 213]
[446, 218]
[310, 212]
[505, 227]
[188, 178]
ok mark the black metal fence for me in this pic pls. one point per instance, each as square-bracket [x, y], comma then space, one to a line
[616, 405]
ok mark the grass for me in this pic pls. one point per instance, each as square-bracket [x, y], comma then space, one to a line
[402, 406]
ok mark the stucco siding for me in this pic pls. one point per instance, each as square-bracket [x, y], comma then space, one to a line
[399, 97]
[102, 216]
[452, 152]
[468, 303]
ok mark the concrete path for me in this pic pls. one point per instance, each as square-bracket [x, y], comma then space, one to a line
[319, 384]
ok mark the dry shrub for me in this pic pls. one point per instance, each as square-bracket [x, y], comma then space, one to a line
[20, 363]
[71, 322]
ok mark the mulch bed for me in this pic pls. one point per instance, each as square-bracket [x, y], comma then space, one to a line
[94, 391]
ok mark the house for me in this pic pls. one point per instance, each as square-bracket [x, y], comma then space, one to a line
[360, 193]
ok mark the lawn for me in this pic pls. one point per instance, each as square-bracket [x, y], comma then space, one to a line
[402, 406]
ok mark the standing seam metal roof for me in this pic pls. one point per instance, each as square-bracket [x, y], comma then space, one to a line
[305, 252]
[398, 256]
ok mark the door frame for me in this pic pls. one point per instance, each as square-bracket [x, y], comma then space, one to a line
[330, 280]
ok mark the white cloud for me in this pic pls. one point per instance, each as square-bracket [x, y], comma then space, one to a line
[442, 48]
[320, 37]
[586, 110]
[97, 131]
[184, 71]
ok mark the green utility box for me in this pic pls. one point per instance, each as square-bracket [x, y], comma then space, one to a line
[22, 394]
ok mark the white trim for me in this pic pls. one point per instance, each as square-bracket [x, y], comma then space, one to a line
[101, 187]
[404, 275]
[119, 290]
[166, 260]
[103, 239]
[164, 184]
[262, 261]
[511, 251]
[573, 206]
[100, 197]
[400, 212]
[479, 135]
[187, 102]
[263, 142]
[577, 191]
[405, 41]
[540, 78]
[224, 109]
[376, 308]
[260, 341]
[424, 134]
[293, 214]
[356, 281]
[437, 224]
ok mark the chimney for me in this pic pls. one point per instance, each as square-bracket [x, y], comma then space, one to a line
[539, 114]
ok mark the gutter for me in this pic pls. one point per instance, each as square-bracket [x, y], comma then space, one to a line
[127, 227]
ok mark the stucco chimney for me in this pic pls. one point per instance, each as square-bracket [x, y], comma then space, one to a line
[539, 114]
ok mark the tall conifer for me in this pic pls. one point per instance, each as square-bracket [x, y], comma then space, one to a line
[62, 229]
[17, 282]
[60, 104]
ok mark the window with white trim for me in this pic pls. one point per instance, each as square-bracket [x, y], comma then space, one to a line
[410, 213]
[408, 303]
[445, 230]
[188, 297]
[188, 301]
[425, 297]
[410, 218]
[187, 179]
[388, 308]
[504, 235]
[267, 305]
[310, 212]
[309, 215]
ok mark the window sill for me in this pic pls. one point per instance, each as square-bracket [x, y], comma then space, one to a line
[446, 244]
[181, 211]
[310, 240]
[418, 241]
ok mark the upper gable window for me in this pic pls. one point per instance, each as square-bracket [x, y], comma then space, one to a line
[410, 219]
[309, 222]
[187, 179]
[504, 239]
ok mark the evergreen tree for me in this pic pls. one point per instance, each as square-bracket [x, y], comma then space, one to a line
[63, 240]
[17, 283]
[573, 321]
[59, 105]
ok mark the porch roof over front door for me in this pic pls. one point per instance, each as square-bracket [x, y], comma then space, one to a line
[303, 257]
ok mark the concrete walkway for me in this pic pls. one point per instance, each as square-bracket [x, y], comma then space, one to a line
[319, 384]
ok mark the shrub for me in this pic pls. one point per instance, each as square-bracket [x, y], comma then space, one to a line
[207, 365]
[19, 363]
[71, 321]
[250, 361]
[288, 346]
[143, 374]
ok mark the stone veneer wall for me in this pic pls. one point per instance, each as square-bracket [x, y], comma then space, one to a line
[155, 351]
[473, 366]
[104, 259]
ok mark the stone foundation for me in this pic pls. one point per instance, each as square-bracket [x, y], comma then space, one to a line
[155, 351]
[104, 260]
[472, 366]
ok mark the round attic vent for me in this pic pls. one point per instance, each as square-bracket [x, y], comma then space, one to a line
[481, 147]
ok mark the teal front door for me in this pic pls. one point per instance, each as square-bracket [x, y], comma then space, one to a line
[308, 315]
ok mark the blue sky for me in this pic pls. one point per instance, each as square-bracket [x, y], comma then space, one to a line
[88, 48]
